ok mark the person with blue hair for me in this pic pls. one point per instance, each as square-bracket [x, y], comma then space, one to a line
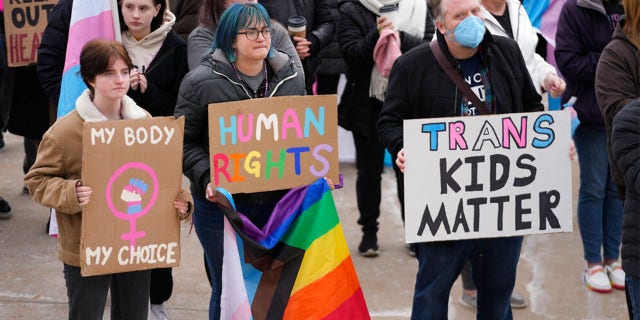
[243, 66]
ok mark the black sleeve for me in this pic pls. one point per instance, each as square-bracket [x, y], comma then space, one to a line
[53, 48]
[625, 144]
[323, 28]
[395, 108]
[356, 35]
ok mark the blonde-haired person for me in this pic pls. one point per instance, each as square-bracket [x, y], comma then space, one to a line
[54, 182]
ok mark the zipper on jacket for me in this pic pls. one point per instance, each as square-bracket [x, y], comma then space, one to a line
[163, 57]
[275, 89]
[236, 83]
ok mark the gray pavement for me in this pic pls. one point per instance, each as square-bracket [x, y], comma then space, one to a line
[549, 273]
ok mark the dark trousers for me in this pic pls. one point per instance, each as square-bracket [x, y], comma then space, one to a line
[88, 295]
[30, 152]
[370, 163]
[327, 83]
[161, 285]
[494, 262]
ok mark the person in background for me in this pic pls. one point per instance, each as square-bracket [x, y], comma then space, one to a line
[618, 88]
[359, 29]
[625, 138]
[584, 29]
[159, 56]
[331, 63]
[244, 65]
[54, 182]
[619, 61]
[200, 40]
[320, 30]
[420, 88]
[186, 12]
[52, 50]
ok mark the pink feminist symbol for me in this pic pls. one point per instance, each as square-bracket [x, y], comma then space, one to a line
[133, 234]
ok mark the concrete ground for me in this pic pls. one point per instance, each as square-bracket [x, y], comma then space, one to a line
[549, 273]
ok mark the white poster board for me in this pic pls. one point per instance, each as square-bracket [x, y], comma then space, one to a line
[487, 176]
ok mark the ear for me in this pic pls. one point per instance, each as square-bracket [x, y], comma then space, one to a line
[440, 26]
[157, 10]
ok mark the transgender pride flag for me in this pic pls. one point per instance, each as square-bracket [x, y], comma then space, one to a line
[297, 266]
[544, 16]
[90, 19]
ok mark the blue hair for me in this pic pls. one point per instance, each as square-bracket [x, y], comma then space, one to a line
[234, 18]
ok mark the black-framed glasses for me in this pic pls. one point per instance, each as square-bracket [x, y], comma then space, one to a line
[253, 34]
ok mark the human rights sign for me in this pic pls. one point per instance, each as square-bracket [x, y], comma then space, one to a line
[273, 143]
[487, 176]
[135, 170]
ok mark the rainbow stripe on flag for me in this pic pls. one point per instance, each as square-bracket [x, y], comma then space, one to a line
[95, 19]
[297, 266]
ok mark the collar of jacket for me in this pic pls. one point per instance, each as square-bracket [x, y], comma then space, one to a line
[513, 7]
[89, 113]
[219, 63]
[597, 5]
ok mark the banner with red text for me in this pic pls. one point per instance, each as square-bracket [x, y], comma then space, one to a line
[487, 176]
[273, 143]
[24, 23]
[135, 170]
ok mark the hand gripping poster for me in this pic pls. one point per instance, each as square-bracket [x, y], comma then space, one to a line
[487, 176]
[135, 170]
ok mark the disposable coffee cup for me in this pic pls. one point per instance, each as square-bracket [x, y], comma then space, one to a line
[390, 11]
[297, 26]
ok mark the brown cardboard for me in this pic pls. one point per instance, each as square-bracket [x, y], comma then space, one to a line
[113, 153]
[236, 167]
[24, 23]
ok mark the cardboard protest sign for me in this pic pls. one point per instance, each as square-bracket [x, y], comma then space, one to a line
[24, 23]
[487, 176]
[135, 170]
[273, 143]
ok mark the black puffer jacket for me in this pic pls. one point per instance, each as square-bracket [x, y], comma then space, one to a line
[625, 142]
[215, 81]
[53, 49]
[164, 74]
[358, 34]
[420, 88]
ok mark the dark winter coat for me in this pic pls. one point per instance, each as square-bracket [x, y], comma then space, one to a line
[331, 62]
[583, 31]
[617, 84]
[53, 48]
[24, 107]
[215, 81]
[320, 26]
[420, 88]
[358, 34]
[186, 12]
[164, 74]
[625, 143]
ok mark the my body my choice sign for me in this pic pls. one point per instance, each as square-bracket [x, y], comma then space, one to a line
[273, 143]
[487, 176]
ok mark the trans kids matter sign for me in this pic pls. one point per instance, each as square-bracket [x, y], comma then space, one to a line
[487, 176]
[24, 23]
[273, 143]
[135, 170]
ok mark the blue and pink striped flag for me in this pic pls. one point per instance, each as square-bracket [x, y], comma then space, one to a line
[544, 16]
[95, 19]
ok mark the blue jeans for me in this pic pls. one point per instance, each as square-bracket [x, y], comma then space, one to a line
[632, 289]
[494, 262]
[88, 295]
[599, 208]
[209, 224]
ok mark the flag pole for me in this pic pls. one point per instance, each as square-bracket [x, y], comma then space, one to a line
[116, 21]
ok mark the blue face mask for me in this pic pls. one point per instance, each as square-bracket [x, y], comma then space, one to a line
[469, 32]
